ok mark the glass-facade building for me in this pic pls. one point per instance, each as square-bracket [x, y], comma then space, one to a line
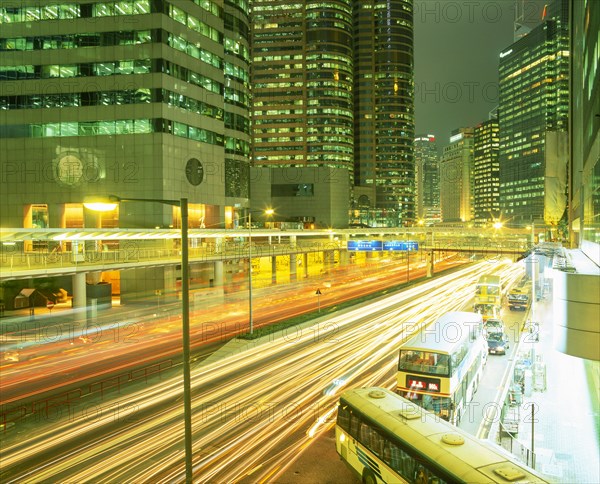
[534, 105]
[486, 172]
[137, 98]
[427, 168]
[585, 125]
[302, 83]
[384, 107]
[333, 86]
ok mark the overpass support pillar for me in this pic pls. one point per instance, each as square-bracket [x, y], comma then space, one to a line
[274, 269]
[305, 263]
[293, 267]
[218, 273]
[79, 290]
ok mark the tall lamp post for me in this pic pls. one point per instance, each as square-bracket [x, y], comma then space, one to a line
[185, 310]
[269, 211]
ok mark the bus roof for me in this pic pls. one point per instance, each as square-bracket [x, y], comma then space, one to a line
[489, 280]
[447, 333]
[464, 456]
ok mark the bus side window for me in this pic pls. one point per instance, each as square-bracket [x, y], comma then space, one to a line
[344, 418]
[354, 426]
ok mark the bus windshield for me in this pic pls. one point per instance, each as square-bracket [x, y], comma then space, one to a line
[424, 362]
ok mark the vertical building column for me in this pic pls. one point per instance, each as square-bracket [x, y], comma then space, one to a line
[79, 290]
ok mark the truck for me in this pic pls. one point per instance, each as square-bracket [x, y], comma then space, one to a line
[518, 299]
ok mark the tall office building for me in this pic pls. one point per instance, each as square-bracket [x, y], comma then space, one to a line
[427, 168]
[533, 113]
[576, 304]
[137, 98]
[333, 86]
[456, 177]
[302, 83]
[384, 107]
[584, 196]
[486, 171]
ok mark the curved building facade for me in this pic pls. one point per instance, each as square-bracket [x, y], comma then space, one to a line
[302, 84]
[384, 106]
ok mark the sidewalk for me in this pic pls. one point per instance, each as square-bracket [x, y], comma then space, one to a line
[561, 412]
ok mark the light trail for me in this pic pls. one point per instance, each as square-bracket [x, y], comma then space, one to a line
[252, 411]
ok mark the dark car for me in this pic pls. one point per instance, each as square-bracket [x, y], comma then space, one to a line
[497, 343]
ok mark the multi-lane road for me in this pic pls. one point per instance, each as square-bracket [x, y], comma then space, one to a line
[252, 410]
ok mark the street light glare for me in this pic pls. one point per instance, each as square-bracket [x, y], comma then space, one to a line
[100, 206]
[497, 225]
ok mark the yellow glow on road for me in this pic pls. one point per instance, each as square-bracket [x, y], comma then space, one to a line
[253, 411]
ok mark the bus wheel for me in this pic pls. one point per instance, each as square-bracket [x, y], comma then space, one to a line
[368, 477]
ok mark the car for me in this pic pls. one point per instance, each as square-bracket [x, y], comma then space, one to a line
[494, 325]
[497, 343]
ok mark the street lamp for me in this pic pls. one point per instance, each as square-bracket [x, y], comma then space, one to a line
[103, 206]
[268, 211]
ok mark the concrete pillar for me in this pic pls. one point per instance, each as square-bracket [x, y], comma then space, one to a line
[274, 269]
[343, 257]
[293, 240]
[79, 290]
[218, 273]
[305, 263]
[218, 245]
[293, 267]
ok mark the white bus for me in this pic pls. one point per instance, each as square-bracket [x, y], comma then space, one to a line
[387, 439]
[440, 367]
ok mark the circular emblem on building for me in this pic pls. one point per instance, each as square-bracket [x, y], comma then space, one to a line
[194, 171]
[69, 169]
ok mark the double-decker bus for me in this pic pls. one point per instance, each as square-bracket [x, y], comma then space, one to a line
[386, 438]
[488, 296]
[440, 367]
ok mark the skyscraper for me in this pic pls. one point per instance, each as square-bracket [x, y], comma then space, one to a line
[533, 112]
[333, 86]
[138, 98]
[427, 167]
[302, 83]
[456, 177]
[486, 171]
[384, 107]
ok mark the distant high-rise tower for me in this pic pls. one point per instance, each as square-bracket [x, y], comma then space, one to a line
[456, 178]
[486, 171]
[533, 112]
[427, 167]
[384, 105]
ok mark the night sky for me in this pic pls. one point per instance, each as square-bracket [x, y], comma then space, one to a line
[457, 47]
